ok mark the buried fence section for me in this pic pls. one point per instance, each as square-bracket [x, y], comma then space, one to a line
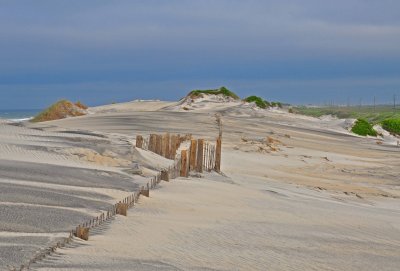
[82, 231]
[200, 156]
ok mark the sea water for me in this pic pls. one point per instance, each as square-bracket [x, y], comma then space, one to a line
[18, 115]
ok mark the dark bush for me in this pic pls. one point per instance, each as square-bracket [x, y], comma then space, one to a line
[363, 128]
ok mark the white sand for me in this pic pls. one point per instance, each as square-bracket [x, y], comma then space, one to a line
[204, 224]
[300, 194]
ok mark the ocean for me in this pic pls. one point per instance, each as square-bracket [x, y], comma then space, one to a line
[18, 114]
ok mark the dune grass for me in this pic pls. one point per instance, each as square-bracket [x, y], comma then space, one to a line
[276, 104]
[363, 128]
[392, 126]
[258, 101]
[61, 110]
[81, 105]
[221, 91]
[373, 114]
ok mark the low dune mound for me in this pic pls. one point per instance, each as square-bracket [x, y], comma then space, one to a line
[61, 110]
[222, 92]
[258, 101]
[207, 99]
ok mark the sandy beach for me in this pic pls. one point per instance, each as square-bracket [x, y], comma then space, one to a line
[296, 193]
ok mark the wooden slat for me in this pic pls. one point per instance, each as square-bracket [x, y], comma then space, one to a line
[184, 164]
[200, 152]
[218, 154]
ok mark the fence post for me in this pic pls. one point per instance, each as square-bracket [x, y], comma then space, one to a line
[178, 142]
[200, 152]
[152, 142]
[206, 156]
[173, 147]
[82, 233]
[145, 192]
[193, 150]
[139, 142]
[159, 144]
[165, 145]
[164, 175]
[184, 165]
[218, 154]
[122, 209]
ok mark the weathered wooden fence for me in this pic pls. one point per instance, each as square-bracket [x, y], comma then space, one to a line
[165, 145]
[199, 156]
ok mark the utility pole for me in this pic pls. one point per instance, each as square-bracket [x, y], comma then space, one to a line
[374, 104]
[394, 102]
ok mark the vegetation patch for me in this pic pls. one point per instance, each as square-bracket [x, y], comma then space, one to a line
[374, 114]
[363, 128]
[258, 101]
[81, 105]
[221, 91]
[392, 126]
[276, 104]
[60, 110]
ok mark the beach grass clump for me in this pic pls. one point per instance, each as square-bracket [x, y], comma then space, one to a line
[258, 101]
[276, 104]
[60, 110]
[363, 128]
[81, 105]
[392, 126]
[220, 91]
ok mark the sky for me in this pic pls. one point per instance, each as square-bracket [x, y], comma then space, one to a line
[295, 51]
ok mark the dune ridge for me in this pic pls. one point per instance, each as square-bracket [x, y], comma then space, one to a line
[297, 193]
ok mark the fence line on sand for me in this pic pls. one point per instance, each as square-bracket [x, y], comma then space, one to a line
[200, 156]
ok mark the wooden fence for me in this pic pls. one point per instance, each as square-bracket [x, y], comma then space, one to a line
[199, 156]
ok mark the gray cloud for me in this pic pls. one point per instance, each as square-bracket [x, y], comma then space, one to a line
[115, 43]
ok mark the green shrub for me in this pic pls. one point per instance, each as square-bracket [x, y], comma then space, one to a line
[222, 90]
[257, 100]
[392, 126]
[291, 110]
[276, 104]
[363, 128]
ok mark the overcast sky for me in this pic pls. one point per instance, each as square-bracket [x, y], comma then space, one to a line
[295, 51]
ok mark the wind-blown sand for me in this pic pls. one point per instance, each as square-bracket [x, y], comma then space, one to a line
[298, 193]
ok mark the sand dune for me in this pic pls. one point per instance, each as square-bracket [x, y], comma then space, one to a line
[252, 224]
[298, 193]
[47, 187]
